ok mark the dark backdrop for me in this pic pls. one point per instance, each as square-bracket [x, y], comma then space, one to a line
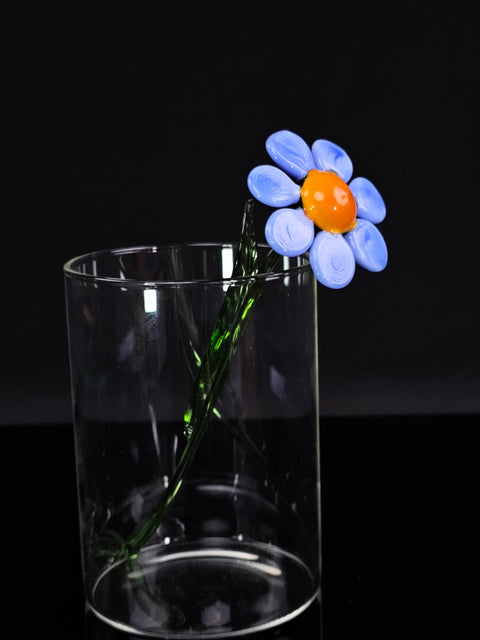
[139, 124]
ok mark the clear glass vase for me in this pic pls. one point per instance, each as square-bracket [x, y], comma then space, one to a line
[199, 518]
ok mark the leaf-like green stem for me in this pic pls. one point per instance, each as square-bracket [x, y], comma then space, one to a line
[232, 320]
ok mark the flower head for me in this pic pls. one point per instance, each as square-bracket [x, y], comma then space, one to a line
[324, 196]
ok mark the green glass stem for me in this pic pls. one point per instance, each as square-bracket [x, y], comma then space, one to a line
[230, 326]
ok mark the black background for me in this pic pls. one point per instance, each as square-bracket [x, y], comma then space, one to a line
[139, 123]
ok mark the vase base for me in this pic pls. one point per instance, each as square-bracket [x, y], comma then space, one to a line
[207, 589]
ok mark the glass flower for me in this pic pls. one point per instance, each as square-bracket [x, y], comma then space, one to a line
[346, 211]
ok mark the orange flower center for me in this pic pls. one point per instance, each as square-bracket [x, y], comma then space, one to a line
[328, 201]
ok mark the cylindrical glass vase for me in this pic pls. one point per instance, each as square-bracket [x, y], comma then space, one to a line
[195, 402]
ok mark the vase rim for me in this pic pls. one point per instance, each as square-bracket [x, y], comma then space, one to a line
[71, 268]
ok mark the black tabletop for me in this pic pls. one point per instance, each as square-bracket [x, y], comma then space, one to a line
[400, 532]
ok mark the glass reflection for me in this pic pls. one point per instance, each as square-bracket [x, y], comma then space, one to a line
[307, 626]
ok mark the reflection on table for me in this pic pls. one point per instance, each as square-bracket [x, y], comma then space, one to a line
[306, 626]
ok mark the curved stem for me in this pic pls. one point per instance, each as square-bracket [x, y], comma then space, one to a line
[224, 348]
[230, 326]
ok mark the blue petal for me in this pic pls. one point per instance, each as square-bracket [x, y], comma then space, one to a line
[289, 232]
[272, 186]
[329, 156]
[332, 260]
[370, 204]
[291, 153]
[368, 246]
